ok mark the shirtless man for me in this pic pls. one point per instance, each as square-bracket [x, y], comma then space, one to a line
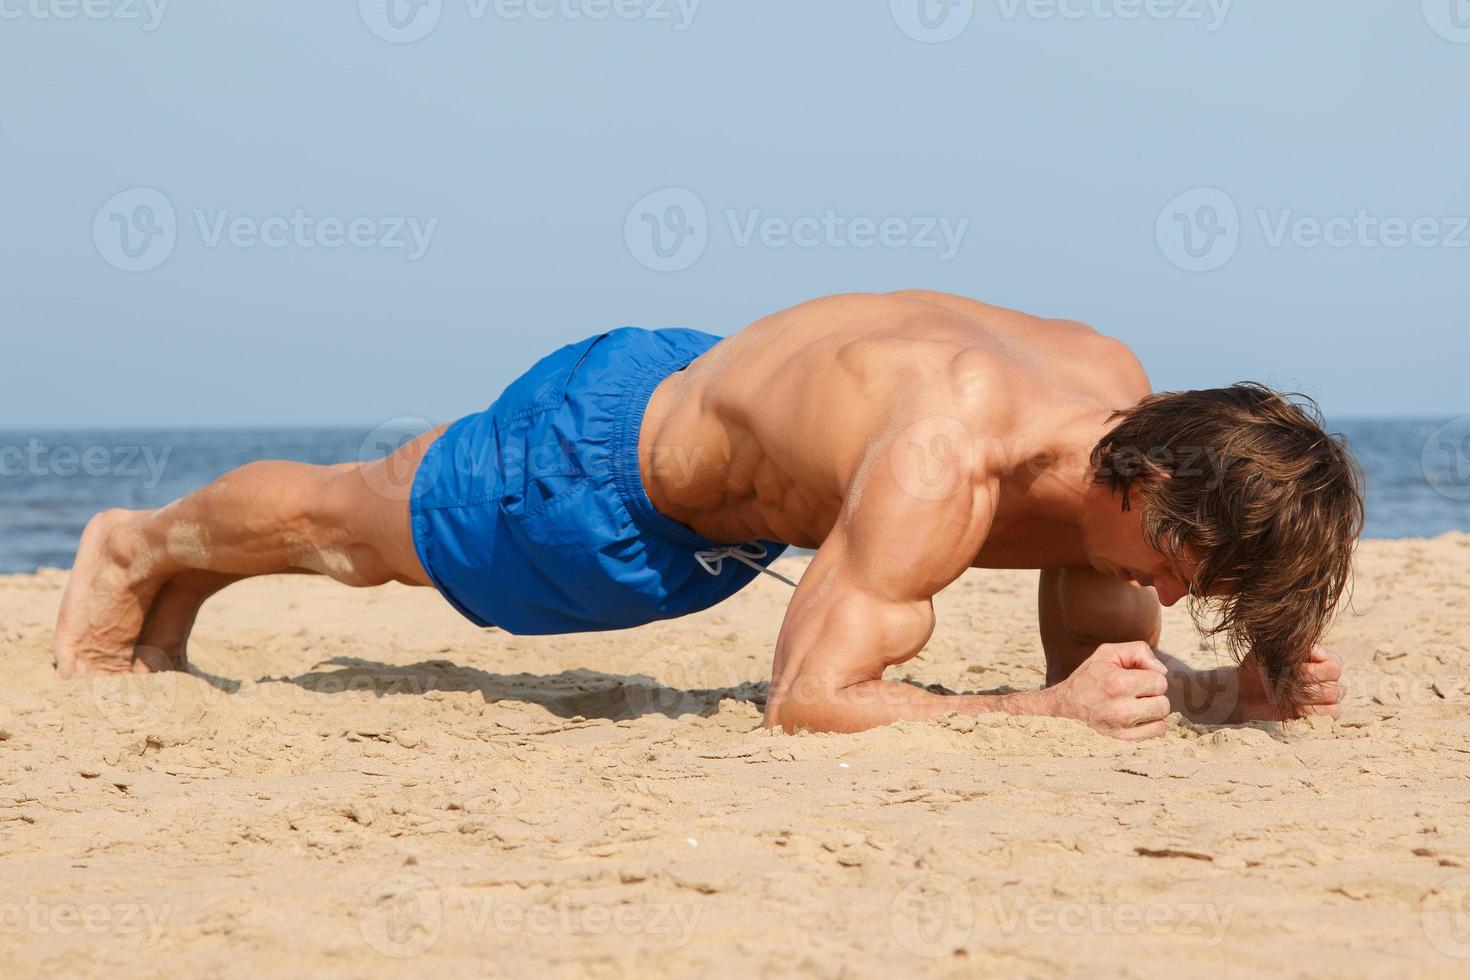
[643, 475]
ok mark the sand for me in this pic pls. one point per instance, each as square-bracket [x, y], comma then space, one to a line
[355, 782]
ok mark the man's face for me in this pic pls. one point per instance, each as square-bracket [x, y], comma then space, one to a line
[1116, 546]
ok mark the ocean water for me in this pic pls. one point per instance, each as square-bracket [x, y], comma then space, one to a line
[1418, 475]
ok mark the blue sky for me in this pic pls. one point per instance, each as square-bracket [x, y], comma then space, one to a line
[307, 213]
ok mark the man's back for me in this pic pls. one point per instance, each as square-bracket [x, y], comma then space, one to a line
[766, 435]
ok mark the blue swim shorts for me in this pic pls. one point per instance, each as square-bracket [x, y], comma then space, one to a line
[531, 516]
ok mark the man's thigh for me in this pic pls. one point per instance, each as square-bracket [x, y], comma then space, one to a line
[1079, 610]
[371, 501]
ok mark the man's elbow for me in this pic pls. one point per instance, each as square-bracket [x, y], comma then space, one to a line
[800, 704]
[814, 704]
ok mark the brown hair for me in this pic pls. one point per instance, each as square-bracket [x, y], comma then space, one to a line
[1267, 502]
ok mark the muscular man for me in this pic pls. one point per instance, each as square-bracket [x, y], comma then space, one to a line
[642, 475]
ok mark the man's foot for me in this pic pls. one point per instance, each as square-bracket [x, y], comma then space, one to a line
[112, 585]
[170, 622]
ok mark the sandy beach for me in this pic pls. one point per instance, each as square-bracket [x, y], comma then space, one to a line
[355, 782]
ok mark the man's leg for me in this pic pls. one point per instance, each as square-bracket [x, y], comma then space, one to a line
[141, 576]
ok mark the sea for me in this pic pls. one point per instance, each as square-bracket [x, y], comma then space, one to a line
[1417, 474]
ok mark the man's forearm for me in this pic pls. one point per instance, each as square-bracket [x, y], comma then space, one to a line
[797, 706]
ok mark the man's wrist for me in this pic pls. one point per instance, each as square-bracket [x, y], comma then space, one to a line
[1042, 703]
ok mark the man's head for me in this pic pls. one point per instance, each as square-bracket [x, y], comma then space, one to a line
[1237, 496]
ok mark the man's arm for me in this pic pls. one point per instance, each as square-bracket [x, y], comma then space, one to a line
[917, 520]
[1080, 610]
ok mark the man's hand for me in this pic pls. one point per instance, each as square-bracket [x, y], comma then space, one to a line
[1231, 695]
[1322, 670]
[1121, 690]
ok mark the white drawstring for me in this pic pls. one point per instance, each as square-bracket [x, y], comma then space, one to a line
[713, 560]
